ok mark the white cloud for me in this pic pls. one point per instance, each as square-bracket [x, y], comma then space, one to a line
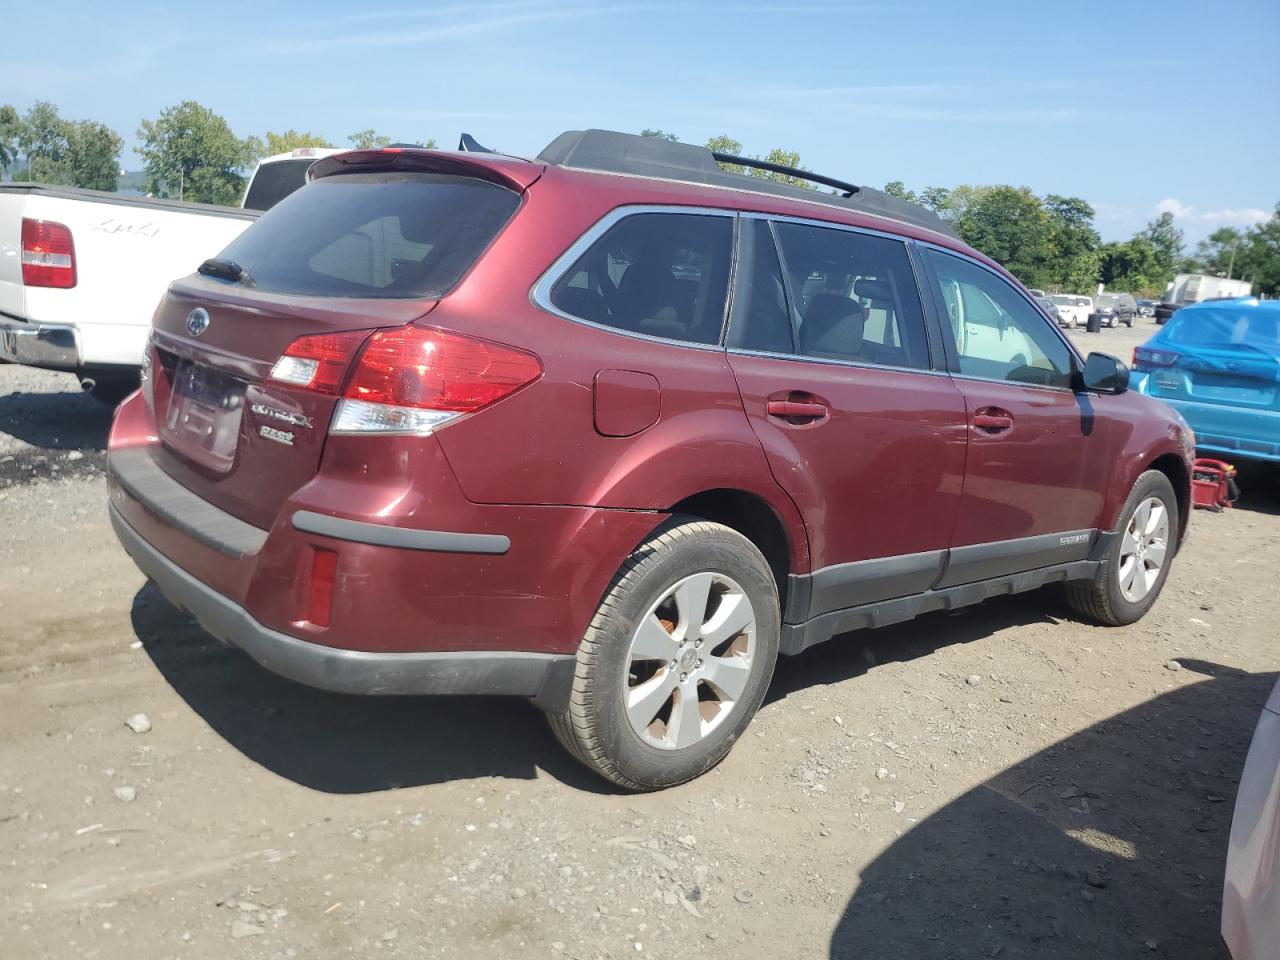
[1243, 217]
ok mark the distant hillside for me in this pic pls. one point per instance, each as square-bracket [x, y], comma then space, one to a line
[132, 181]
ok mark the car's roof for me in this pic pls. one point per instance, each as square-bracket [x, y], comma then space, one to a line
[1242, 304]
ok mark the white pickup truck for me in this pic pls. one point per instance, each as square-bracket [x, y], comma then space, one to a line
[81, 271]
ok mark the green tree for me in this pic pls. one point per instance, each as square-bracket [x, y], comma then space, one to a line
[10, 124]
[1073, 264]
[44, 138]
[190, 152]
[1258, 257]
[1167, 240]
[659, 135]
[1215, 254]
[896, 188]
[1010, 225]
[431, 144]
[726, 144]
[292, 140]
[1133, 265]
[937, 199]
[368, 139]
[783, 158]
[93, 152]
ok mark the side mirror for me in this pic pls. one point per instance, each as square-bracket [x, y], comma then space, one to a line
[1103, 373]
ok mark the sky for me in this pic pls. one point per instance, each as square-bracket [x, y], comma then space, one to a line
[1138, 107]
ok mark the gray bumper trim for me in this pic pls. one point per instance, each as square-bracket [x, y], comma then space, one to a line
[52, 346]
[142, 478]
[381, 535]
[544, 677]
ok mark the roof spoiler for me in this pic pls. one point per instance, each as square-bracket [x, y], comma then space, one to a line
[467, 144]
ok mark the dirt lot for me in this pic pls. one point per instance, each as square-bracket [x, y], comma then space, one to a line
[1008, 782]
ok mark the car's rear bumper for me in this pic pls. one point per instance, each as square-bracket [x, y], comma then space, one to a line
[448, 595]
[540, 676]
[54, 346]
[1223, 429]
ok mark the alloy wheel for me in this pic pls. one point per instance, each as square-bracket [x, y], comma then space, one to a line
[1143, 549]
[689, 661]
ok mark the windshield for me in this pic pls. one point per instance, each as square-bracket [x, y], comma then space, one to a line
[1251, 329]
[385, 235]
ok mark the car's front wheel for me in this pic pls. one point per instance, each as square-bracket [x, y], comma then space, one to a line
[1136, 565]
[676, 660]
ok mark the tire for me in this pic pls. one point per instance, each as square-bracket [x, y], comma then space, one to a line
[1104, 598]
[597, 726]
[110, 391]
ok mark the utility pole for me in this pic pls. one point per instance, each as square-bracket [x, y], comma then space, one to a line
[1232, 265]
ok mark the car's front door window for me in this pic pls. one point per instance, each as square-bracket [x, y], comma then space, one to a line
[998, 334]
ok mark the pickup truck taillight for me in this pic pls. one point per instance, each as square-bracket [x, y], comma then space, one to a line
[406, 380]
[48, 254]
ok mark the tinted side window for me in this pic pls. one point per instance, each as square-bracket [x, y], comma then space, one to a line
[855, 296]
[660, 274]
[761, 320]
[998, 334]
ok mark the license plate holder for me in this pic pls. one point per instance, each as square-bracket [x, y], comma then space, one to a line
[203, 418]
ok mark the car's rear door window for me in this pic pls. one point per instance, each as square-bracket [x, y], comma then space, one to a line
[853, 296]
[658, 274]
[998, 334]
[386, 235]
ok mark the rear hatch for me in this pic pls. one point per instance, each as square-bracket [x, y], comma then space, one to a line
[349, 254]
[1218, 356]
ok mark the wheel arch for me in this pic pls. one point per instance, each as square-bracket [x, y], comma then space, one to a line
[756, 519]
[1173, 467]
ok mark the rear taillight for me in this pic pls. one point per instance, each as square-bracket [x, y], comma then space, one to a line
[412, 379]
[48, 255]
[406, 380]
[318, 362]
[1144, 357]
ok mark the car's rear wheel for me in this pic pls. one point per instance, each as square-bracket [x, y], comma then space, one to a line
[1136, 565]
[676, 660]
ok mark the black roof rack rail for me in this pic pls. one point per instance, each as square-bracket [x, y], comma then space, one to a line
[846, 189]
[627, 153]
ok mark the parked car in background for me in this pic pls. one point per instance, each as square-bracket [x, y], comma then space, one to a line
[1073, 310]
[1218, 364]
[1036, 293]
[85, 269]
[376, 469]
[1051, 308]
[1251, 888]
[1146, 308]
[1113, 309]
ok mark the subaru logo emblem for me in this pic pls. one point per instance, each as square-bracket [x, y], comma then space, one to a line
[197, 321]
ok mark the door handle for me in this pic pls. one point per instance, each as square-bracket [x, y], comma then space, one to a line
[797, 410]
[993, 420]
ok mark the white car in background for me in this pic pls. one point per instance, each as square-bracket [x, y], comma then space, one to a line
[1073, 310]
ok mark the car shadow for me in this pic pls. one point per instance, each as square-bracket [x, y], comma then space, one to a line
[338, 743]
[345, 744]
[1108, 844]
[56, 421]
[1259, 487]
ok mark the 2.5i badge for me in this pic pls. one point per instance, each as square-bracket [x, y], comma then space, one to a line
[279, 436]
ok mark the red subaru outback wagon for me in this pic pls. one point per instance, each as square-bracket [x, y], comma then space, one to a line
[613, 428]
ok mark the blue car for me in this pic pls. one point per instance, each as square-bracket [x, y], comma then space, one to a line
[1218, 364]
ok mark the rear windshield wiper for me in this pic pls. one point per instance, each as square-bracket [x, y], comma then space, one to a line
[225, 270]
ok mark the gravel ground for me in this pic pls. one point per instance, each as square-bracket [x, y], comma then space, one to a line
[1007, 782]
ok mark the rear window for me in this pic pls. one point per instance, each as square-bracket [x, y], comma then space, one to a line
[384, 235]
[274, 181]
[1254, 330]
